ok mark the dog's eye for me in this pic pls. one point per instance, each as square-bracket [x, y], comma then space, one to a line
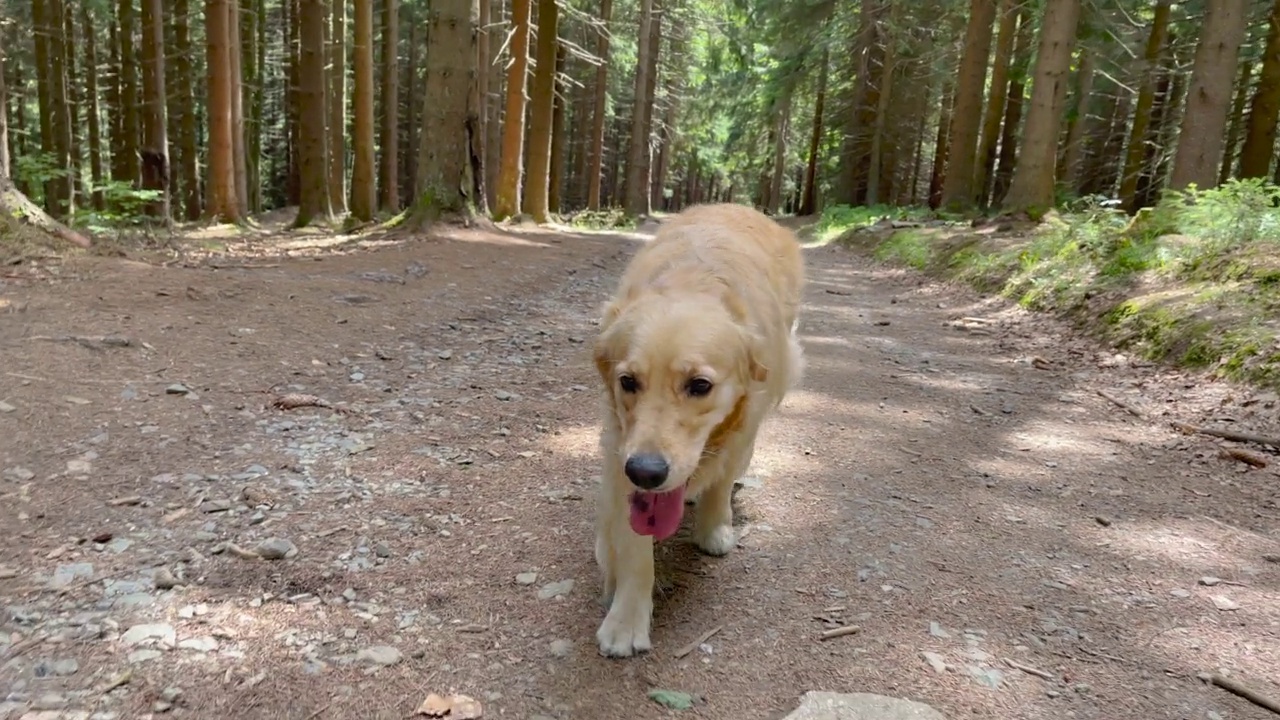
[628, 384]
[699, 387]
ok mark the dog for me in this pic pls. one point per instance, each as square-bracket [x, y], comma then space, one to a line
[696, 348]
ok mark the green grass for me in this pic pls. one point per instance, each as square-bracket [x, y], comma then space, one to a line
[1193, 282]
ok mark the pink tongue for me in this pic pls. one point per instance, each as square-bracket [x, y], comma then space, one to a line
[657, 514]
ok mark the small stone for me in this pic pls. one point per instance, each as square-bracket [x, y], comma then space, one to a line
[356, 377]
[555, 589]
[1210, 581]
[349, 594]
[561, 648]
[935, 661]
[1180, 593]
[379, 655]
[79, 467]
[526, 578]
[49, 701]
[503, 395]
[1102, 520]
[160, 706]
[165, 579]
[141, 656]
[936, 630]
[1224, 603]
[67, 574]
[18, 474]
[444, 354]
[146, 632]
[57, 668]
[6, 407]
[382, 550]
[826, 705]
[276, 548]
[177, 389]
[171, 694]
[199, 644]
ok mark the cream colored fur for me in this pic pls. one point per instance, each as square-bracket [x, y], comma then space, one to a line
[715, 294]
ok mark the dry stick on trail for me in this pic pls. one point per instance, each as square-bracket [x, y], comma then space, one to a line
[1227, 434]
[1253, 696]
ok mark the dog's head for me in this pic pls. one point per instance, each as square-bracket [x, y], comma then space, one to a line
[678, 369]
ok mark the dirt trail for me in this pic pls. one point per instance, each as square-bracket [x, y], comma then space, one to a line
[957, 489]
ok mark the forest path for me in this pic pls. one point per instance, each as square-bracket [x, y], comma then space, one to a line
[956, 488]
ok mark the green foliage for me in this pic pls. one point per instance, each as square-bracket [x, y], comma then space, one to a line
[836, 220]
[607, 219]
[125, 207]
[1195, 280]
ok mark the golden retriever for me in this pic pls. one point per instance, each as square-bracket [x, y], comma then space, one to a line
[695, 349]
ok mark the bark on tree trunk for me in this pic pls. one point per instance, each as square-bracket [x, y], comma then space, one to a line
[596, 162]
[777, 174]
[1032, 187]
[880, 168]
[637, 190]
[541, 113]
[89, 34]
[509, 177]
[556, 185]
[451, 168]
[155, 122]
[985, 159]
[1209, 97]
[19, 214]
[388, 183]
[293, 180]
[4, 118]
[188, 168]
[1069, 168]
[337, 101]
[1007, 158]
[251, 70]
[940, 148]
[74, 149]
[239, 162]
[412, 106]
[363, 188]
[222, 205]
[313, 166]
[809, 198]
[128, 169]
[966, 117]
[61, 200]
[1236, 124]
[1140, 131]
[1260, 138]
[493, 101]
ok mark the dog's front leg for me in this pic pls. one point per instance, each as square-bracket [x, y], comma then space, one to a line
[629, 574]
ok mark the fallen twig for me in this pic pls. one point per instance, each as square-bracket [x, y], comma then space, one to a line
[1028, 669]
[1121, 402]
[92, 342]
[1243, 456]
[1227, 434]
[701, 639]
[839, 632]
[320, 710]
[1249, 694]
[298, 400]
[18, 648]
[219, 265]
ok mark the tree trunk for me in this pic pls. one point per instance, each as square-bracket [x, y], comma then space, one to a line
[412, 106]
[252, 72]
[1235, 122]
[1010, 129]
[509, 180]
[337, 101]
[985, 160]
[958, 192]
[941, 147]
[44, 106]
[637, 190]
[155, 122]
[388, 182]
[880, 166]
[92, 109]
[4, 116]
[778, 163]
[74, 149]
[595, 163]
[1209, 98]
[128, 169]
[293, 179]
[363, 187]
[451, 170]
[1140, 130]
[483, 39]
[1069, 168]
[1032, 187]
[1260, 138]
[60, 200]
[239, 162]
[18, 213]
[223, 204]
[493, 129]
[183, 76]
[1173, 106]
[851, 172]
[313, 166]
[809, 197]
[541, 113]
[554, 189]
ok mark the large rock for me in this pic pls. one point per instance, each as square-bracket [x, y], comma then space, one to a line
[860, 706]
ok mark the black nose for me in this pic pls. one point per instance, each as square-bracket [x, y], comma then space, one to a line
[647, 470]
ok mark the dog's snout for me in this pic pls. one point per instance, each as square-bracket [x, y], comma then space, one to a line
[647, 470]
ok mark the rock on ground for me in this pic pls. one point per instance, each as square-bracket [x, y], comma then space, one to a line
[860, 706]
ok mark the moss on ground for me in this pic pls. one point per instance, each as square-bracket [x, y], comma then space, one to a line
[1194, 282]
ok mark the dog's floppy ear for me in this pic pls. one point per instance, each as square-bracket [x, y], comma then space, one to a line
[602, 352]
[756, 369]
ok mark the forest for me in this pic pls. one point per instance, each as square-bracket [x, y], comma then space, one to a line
[127, 111]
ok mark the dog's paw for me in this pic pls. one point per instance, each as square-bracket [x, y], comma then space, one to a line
[624, 634]
[718, 540]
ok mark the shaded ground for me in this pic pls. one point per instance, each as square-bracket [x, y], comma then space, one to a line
[953, 487]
